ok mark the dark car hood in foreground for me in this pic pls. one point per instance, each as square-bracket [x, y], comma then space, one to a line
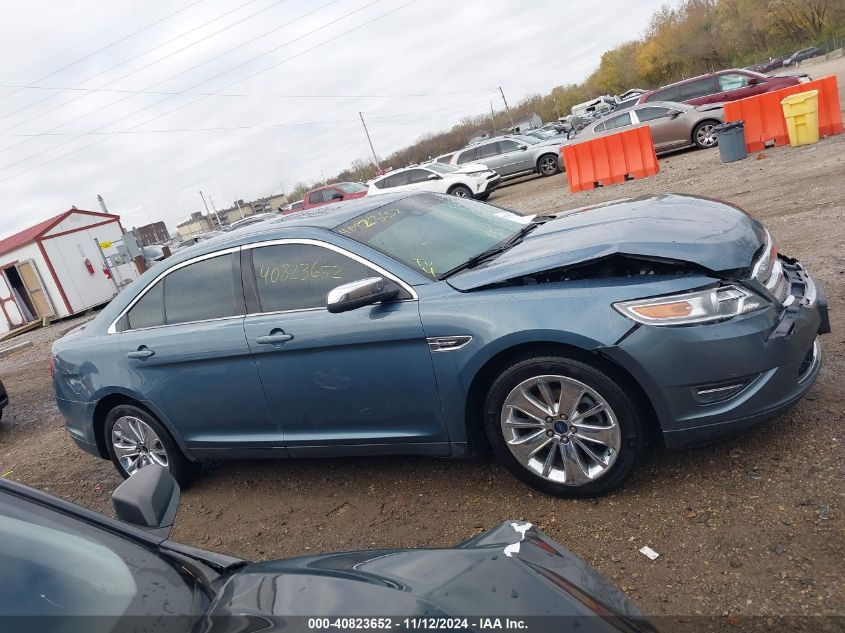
[707, 234]
[512, 570]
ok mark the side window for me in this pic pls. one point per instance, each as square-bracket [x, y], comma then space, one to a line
[315, 197]
[698, 88]
[507, 146]
[149, 311]
[417, 175]
[651, 113]
[299, 276]
[490, 149]
[201, 291]
[468, 156]
[396, 180]
[732, 81]
[618, 121]
[601, 127]
[381, 184]
[672, 93]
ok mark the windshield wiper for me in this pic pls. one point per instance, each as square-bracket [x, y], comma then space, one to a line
[498, 248]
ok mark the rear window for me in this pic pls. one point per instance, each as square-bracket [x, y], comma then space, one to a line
[350, 187]
[315, 197]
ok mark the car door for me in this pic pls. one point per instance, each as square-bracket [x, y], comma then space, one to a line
[515, 160]
[186, 351]
[667, 129]
[490, 155]
[357, 382]
[704, 90]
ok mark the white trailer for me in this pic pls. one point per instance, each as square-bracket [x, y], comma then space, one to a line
[57, 268]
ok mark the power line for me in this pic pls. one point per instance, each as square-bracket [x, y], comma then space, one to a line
[108, 46]
[388, 118]
[47, 162]
[77, 85]
[63, 24]
[244, 94]
[179, 74]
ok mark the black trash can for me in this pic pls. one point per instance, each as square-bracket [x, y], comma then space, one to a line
[731, 139]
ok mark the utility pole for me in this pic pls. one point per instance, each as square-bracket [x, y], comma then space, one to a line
[241, 211]
[370, 141]
[492, 117]
[284, 195]
[507, 107]
[207, 212]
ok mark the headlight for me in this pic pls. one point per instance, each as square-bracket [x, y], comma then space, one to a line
[702, 306]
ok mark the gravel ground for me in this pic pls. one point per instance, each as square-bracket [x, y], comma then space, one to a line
[751, 527]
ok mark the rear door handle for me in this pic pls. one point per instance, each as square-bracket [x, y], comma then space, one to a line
[276, 337]
[141, 352]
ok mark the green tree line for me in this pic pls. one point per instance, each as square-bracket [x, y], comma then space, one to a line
[695, 37]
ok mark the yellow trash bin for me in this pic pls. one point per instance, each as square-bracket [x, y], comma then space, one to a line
[801, 112]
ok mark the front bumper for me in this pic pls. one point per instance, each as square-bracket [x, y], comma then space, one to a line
[774, 352]
[487, 187]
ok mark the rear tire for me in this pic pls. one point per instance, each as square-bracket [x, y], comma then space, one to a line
[553, 446]
[548, 165]
[461, 191]
[135, 439]
[703, 135]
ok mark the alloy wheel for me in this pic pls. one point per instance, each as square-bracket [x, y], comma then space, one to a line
[548, 165]
[137, 445]
[706, 136]
[561, 429]
[461, 192]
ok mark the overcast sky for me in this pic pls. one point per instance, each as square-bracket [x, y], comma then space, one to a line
[284, 79]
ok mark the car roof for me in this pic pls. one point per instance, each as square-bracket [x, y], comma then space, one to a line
[328, 216]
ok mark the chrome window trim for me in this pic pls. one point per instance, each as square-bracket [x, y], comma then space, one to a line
[112, 329]
[337, 249]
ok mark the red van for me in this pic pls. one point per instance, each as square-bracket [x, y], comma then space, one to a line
[725, 85]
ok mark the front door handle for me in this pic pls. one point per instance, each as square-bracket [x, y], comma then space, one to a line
[276, 337]
[142, 352]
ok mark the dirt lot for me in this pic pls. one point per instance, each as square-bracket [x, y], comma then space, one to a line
[750, 527]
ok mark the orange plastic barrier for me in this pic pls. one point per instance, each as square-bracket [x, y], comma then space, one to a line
[610, 159]
[763, 114]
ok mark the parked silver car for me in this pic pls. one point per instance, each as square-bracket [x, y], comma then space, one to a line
[514, 155]
[673, 125]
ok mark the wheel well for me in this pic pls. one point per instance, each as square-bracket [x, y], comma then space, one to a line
[101, 411]
[474, 414]
[455, 186]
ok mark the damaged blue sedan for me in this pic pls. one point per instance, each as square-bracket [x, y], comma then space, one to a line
[432, 325]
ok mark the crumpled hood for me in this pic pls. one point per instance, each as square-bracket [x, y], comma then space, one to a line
[513, 569]
[707, 234]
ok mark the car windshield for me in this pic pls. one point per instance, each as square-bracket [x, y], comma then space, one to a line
[350, 187]
[433, 234]
[441, 168]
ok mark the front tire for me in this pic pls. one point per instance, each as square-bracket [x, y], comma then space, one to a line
[563, 426]
[136, 439]
[703, 134]
[461, 191]
[548, 165]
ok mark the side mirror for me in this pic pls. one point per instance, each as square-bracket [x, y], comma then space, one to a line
[337, 196]
[522, 148]
[433, 177]
[148, 499]
[357, 294]
[754, 81]
[674, 114]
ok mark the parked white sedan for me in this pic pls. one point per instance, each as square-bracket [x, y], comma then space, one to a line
[468, 181]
